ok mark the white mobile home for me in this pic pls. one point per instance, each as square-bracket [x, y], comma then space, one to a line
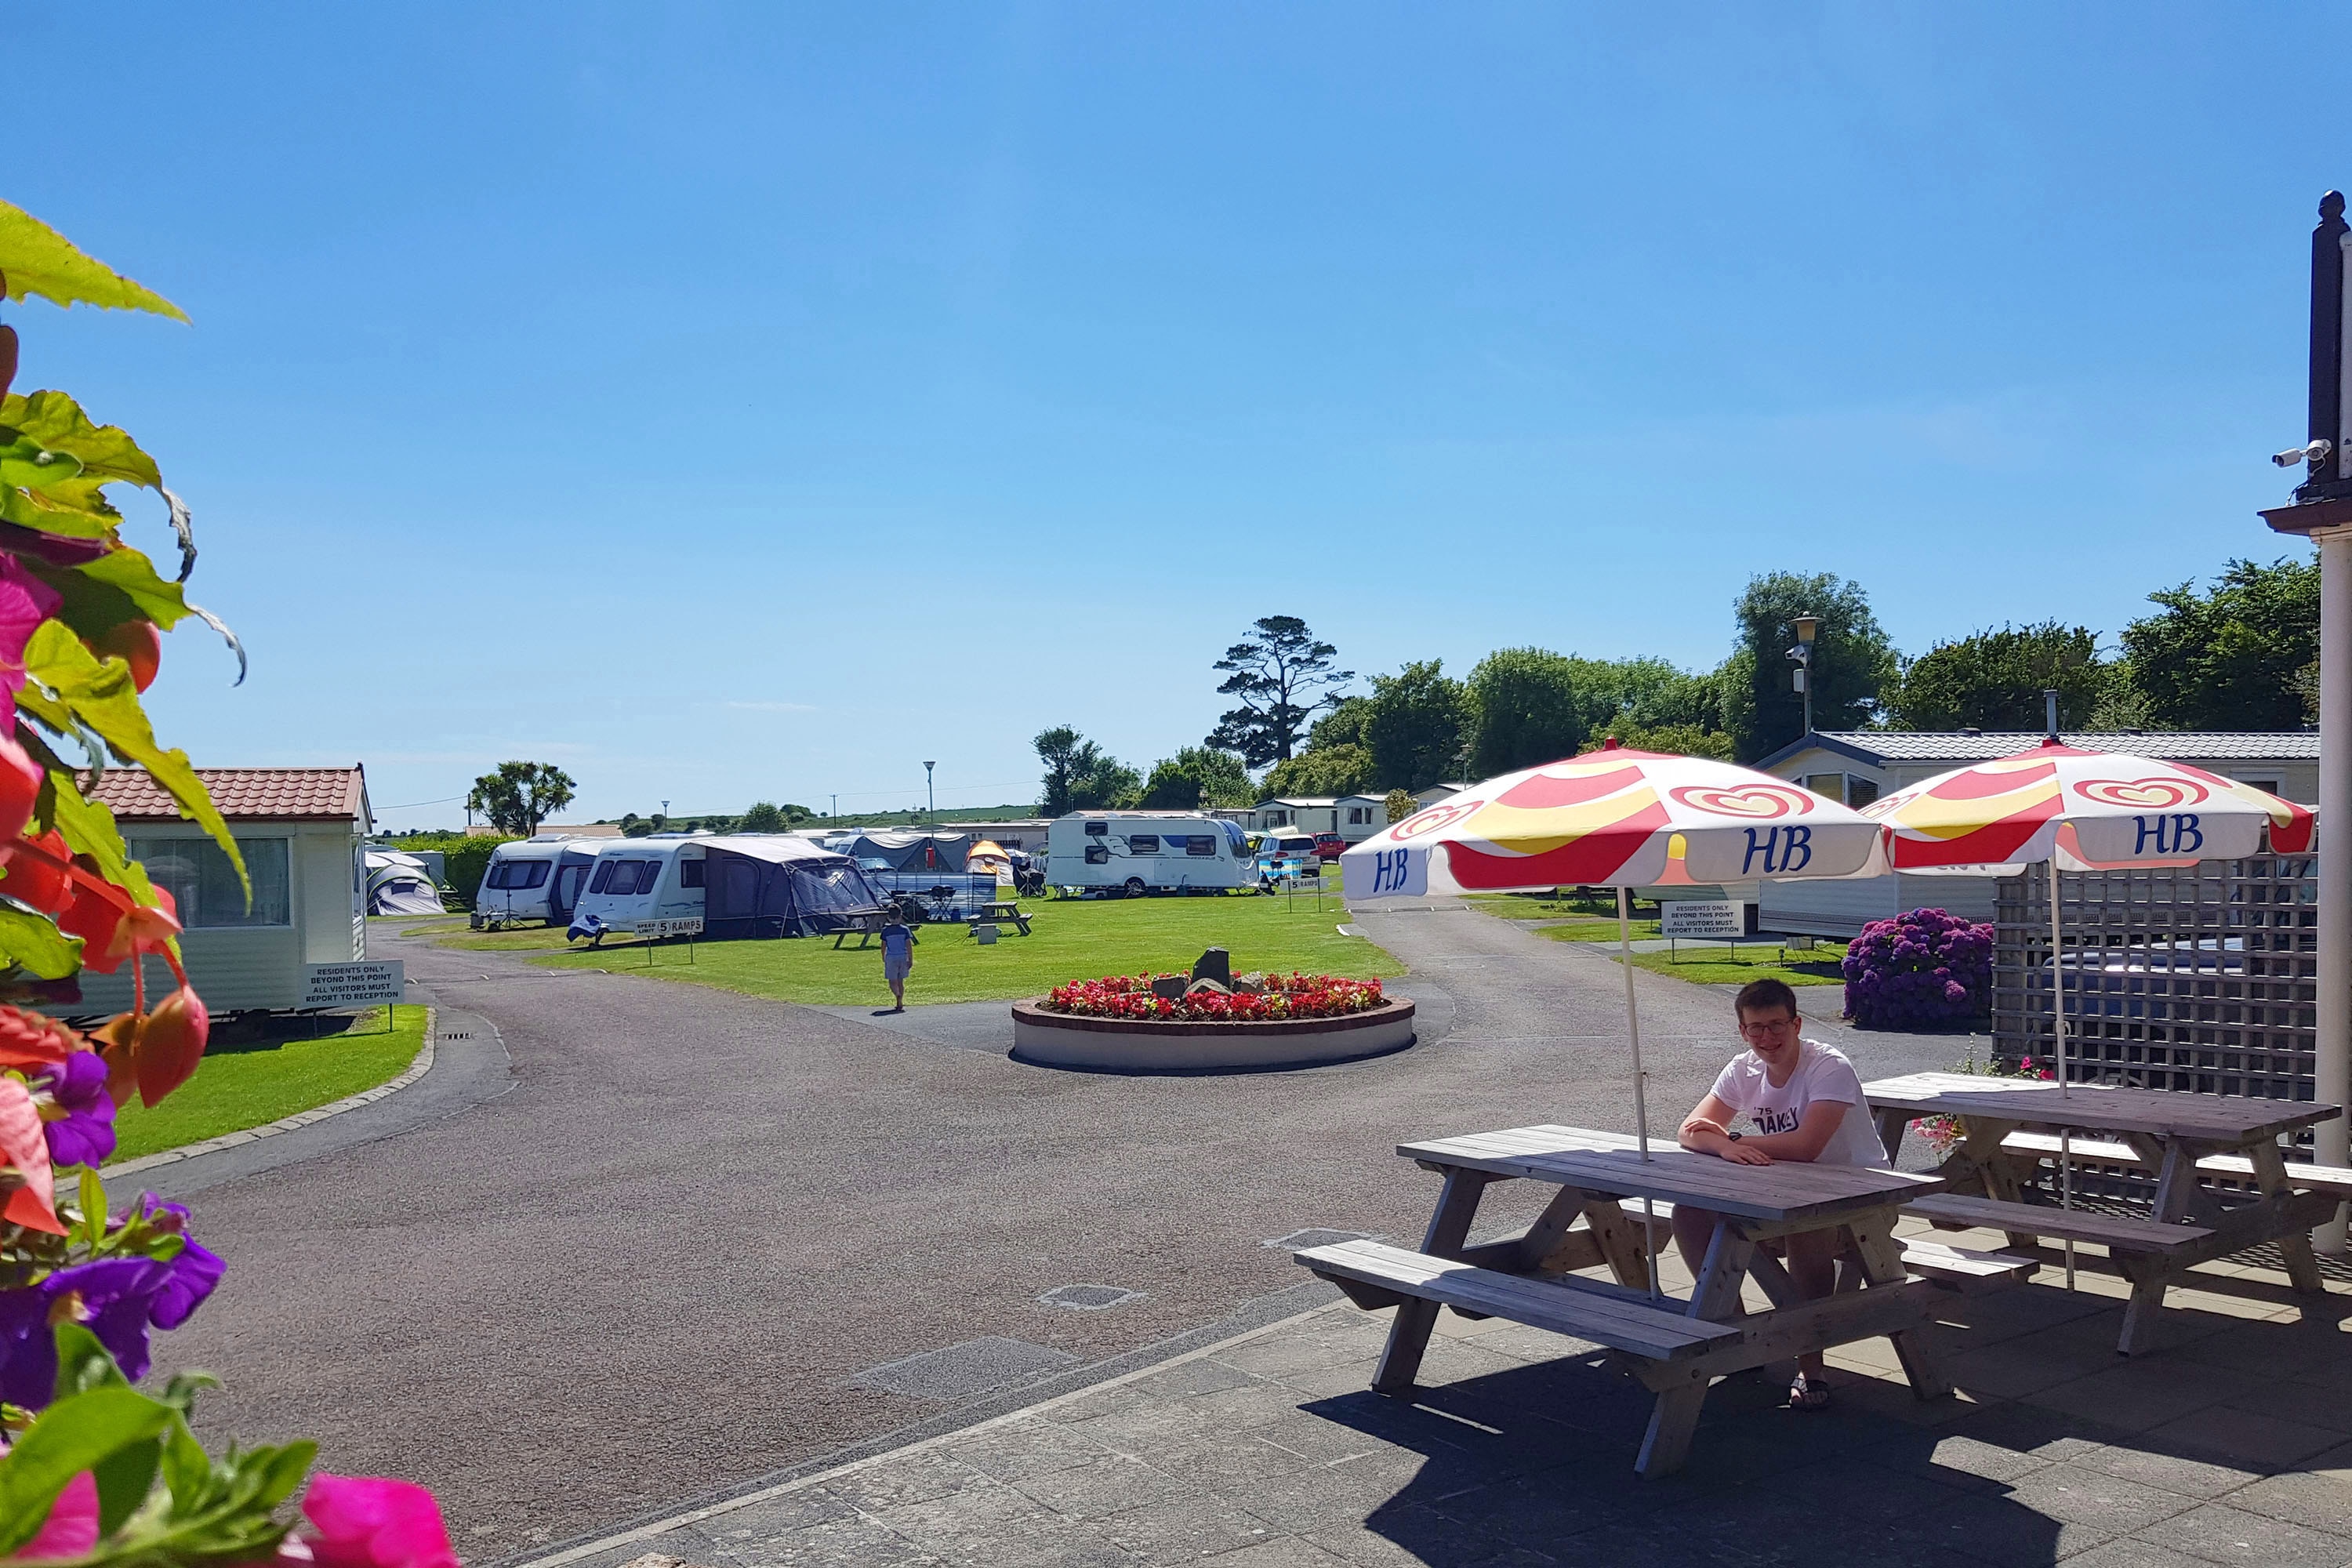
[655, 878]
[1354, 817]
[300, 831]
[1142, 852]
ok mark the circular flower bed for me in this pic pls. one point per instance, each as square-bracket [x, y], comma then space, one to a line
[1122, 1024]
[1292, 996]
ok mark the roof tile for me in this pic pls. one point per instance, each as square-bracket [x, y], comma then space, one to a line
[282, 793]
[2171, 745]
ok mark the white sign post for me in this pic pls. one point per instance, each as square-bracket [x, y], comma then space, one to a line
[354, 985]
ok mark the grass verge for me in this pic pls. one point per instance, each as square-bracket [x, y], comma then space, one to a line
[1714, 965]
[247, 1081]
[1070, 939]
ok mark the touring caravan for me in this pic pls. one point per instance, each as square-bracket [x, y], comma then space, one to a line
[633, 880]
[1141, 852]
[519, 882]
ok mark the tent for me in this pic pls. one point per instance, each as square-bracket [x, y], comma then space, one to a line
[911, 849]
[779, 887]
[400, 884]
[987, 858]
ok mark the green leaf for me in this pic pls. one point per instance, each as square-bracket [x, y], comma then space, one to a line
[94, 1208]
[32, 942]
[75, 1434]
[39, 260]
[187, 1469]
[124, 1479]
[122, 584]
[106, 452]
[25, 461]
[49, 514]
[83, 1363]
[267, 1477]
[102, 696]
[87, 825]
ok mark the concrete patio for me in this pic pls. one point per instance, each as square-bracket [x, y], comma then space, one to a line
[2230, 1443]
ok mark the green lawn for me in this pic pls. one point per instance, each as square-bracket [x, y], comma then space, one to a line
[1597, 930]
[1069, 938]
[244, 1081]
[1713, 964]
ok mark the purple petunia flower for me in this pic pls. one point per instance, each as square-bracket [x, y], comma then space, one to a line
[85, 1134]
[117, 1299]
[195, 1272]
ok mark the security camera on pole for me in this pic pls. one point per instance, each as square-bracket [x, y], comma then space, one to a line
[1808, 629]
[2322, 512]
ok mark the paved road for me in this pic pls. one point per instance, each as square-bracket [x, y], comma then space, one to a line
[646, 1269]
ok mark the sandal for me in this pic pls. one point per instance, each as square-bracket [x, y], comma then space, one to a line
[1805, 1394]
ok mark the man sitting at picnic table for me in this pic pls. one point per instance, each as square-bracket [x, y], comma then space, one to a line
[1787, 1097]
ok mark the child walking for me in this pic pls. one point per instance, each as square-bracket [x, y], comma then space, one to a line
[898, 961]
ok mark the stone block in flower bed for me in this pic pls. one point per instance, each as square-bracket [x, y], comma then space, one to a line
[1127, 1023]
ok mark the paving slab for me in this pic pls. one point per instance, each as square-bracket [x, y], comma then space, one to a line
[1267, 1448]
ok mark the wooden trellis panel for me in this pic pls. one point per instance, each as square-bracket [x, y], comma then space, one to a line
[2203, 980]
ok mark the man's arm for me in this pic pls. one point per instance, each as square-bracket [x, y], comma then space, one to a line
[1813, 1135]
[1708, 1130]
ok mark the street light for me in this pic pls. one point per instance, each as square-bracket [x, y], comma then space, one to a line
[1808, 628]
[932, 810]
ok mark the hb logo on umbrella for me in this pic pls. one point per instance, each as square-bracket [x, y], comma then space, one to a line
[2187, 837]
[1787, 850]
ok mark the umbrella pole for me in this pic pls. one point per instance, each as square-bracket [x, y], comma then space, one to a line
[2058, 1026]
[1641, 1097]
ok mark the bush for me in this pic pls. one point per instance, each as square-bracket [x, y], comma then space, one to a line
[463, 861]
[1918, 970]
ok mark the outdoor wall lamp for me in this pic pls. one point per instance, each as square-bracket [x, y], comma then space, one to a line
[1808, 628]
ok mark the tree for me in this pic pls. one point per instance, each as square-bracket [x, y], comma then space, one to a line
[1526, 707]
[521, 795]
[2229, 659]
[1418, 723]
[1670, 739]
[1199, 776]
[1399, 804]
[1277, 675]
[1324, 770]
[1853, 661]
[765, 816]
[1068, 756]
[1110, 785]
[1994, 679]
[1343, 725]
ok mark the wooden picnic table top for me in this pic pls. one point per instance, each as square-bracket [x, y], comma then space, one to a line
[1610, 1163]
[2224, 1119]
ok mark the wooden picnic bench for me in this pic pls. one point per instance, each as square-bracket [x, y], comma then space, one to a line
[2009, 1126]
[866, 923]
[999, 914]
[1676, 1347]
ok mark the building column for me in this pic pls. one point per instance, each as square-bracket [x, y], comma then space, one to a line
[2333, 1065]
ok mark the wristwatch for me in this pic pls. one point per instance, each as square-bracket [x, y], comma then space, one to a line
[1733, 1136]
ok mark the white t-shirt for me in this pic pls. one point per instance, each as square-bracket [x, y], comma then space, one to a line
[1822, 1073]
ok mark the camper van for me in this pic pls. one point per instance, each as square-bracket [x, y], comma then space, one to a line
[1140, 852]
[520, 882]
[657, 878]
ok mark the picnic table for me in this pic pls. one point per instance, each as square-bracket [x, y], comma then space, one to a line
[1886, 1287]
[2222, 1183]
[999, 914]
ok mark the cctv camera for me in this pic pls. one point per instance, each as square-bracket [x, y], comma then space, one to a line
[2315, 452]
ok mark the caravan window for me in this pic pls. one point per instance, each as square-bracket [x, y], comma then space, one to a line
[689, 873]
[518, 874]
[628, 877]
[204, 884]
[1098, 854]
[1143, 843]
[1203, 845]
[1096, 830]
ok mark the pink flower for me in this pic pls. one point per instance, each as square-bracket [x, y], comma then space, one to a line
[24, 602]
[365, 1521]
[72, 1527]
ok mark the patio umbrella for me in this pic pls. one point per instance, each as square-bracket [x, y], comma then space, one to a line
[2077, 810]
[1614, 818]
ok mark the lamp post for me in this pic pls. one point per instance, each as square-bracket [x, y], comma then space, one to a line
[1808, 628]
[931, 809]
[2322, 512]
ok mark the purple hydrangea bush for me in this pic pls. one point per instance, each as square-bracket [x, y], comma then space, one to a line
[1922, 969]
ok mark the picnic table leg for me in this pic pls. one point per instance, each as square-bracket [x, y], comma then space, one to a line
[1409, 1333]
[1981, 1143]
[1674, 1417]
[2176, 1189]
[2270, 1174]
[1613, 1228]
[1892, 1124]
[1921, 1350]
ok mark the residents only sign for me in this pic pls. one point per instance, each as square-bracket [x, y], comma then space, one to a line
[350, 985]
[1693, 918]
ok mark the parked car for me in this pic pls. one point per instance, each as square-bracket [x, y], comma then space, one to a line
[1329, 846]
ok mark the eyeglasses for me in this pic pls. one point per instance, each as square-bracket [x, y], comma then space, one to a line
[1768, 1028]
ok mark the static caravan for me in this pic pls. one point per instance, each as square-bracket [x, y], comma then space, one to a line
[656, 878]
[301, 832]
[1141, 852]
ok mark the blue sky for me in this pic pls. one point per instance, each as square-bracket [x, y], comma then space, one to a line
[742, 401]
